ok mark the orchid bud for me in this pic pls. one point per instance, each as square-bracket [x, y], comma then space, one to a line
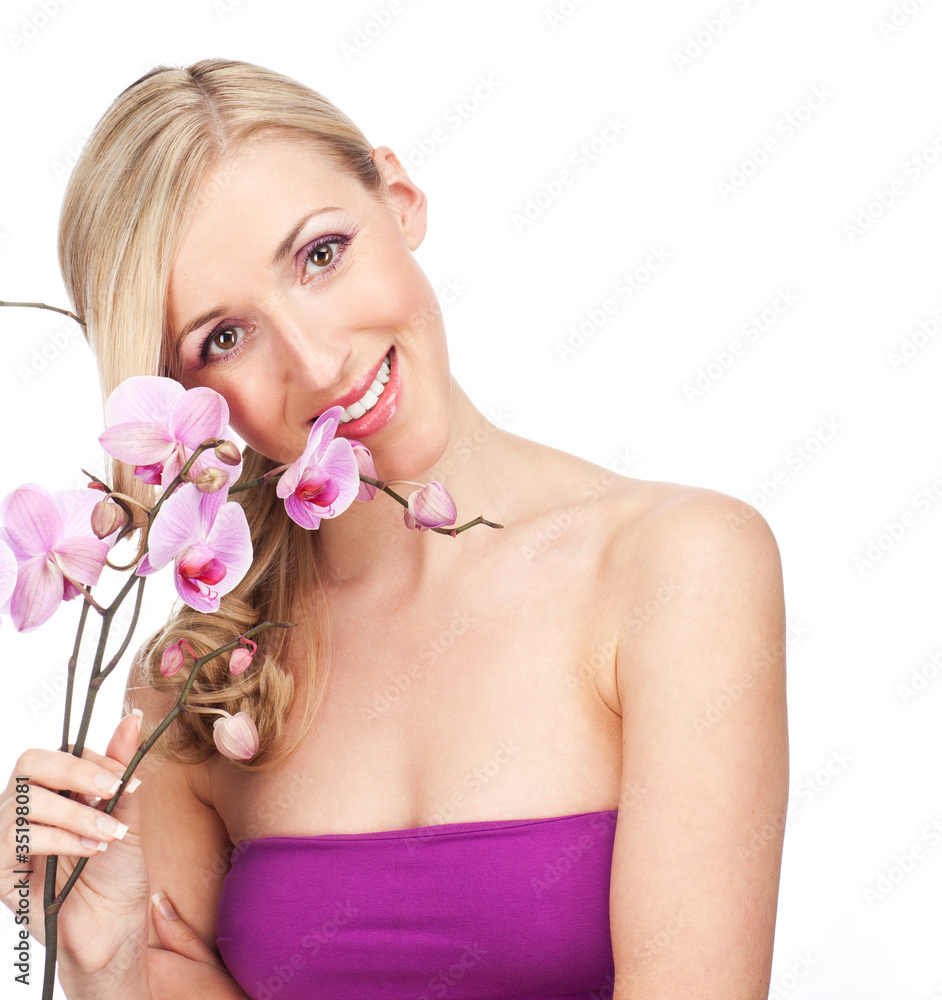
[171, 662]
[107, 517]
[228, 453]
[431, 507]
[365, 467]
[241, 658]
[211, 479]
[235, 736]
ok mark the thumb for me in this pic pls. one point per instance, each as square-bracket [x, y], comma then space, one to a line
[122, 747]
[177, 936]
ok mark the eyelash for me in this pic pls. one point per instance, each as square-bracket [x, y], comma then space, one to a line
[342, 242]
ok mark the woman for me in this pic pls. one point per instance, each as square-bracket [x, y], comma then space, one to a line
[549, 760]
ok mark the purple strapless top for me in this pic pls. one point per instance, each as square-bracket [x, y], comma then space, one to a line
[492, 910]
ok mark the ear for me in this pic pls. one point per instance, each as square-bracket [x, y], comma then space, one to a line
[406, 200]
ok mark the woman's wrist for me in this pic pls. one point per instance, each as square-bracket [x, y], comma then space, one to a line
[124, 978]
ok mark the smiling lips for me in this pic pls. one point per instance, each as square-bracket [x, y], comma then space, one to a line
[369, 399]
[374, 398]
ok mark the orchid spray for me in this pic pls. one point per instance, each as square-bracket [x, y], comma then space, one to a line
[54, 548]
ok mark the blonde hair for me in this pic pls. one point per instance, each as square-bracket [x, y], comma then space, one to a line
[137, 183]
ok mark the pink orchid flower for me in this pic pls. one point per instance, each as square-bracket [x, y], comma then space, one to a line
[235, 736]
[50, 535]
[7, 572]
[430, 507]
[208, 540]
[324, 481]
[155, 425]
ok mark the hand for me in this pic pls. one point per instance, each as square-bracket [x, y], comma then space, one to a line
[103, 921]
[185, 965]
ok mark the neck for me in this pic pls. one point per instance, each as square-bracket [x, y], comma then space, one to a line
[369, 543]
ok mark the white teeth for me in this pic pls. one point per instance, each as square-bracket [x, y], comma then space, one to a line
[369, 399]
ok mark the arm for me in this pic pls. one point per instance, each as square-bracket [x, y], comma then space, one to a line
[696, 861]
[186, 846]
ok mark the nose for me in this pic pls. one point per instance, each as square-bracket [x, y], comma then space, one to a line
[312, 350]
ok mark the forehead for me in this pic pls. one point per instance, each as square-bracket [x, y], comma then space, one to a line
[246, 205]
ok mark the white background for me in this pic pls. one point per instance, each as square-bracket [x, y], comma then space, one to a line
[819, 382]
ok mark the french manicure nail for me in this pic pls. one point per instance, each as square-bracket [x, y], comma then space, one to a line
[111, 827]
[132, 784]
[107, 782]
[159, 899]
[99, 845]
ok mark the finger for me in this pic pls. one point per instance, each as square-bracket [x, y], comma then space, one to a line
[57, 823]
[90, 774]
[127, 736]
[176, 935]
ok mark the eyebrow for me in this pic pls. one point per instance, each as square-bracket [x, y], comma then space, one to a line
[284, 248]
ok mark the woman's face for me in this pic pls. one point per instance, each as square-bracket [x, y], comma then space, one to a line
[291, 286]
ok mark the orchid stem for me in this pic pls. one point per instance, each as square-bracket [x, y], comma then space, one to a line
[42, 305]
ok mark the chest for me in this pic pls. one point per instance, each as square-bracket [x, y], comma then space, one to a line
[487, 698]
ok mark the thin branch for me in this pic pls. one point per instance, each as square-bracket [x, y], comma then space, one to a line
[42, 305]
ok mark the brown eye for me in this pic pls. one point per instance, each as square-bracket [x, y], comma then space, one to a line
[224, 340]
[321, 255]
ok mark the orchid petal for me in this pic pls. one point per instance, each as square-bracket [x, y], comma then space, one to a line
[144, 567]
[37, 595]
[76, 508]
[318, 438]
[200, 414]
[137, 443]
[176, 526]
[143, 399]
[231, 540]
[195, 597]
[81, 559]
[305, 514]
[31, 520]
[7, 572]
[340, 463]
